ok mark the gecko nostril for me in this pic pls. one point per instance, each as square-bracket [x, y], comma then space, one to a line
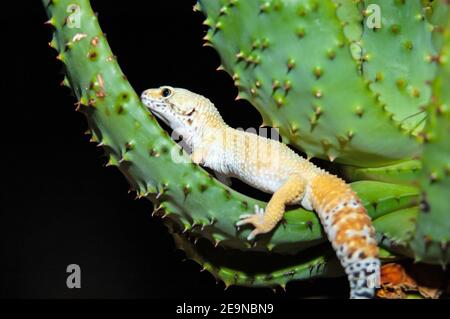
[144, 96]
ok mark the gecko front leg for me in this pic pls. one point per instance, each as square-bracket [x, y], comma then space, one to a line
[265, 221]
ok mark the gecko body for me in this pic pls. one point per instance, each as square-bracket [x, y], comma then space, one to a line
[272, 167]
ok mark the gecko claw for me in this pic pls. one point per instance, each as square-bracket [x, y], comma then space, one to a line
[254, 233]
[240, 223]
[245, 216]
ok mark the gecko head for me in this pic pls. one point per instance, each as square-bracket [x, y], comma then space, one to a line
[181, 109]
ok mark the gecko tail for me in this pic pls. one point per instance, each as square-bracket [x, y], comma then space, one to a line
[363, 278]
[350, 231]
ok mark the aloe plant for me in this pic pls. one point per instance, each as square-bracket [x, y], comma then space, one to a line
[326, 87]
[343, 89]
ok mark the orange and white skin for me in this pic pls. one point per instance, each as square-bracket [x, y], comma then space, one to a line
[272, 167]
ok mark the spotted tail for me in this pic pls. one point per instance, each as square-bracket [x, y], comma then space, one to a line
[350, 231]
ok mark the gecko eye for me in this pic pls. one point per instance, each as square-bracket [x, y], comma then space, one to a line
[166, 92]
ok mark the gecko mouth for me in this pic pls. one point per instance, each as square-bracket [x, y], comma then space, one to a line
[153, 105]
[158, 109]
[159, 115]
[190, 112]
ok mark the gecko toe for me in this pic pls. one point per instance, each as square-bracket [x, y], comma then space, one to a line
[254, 233]
[241, 223]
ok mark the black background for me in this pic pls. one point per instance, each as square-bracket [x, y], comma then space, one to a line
[60, 205]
